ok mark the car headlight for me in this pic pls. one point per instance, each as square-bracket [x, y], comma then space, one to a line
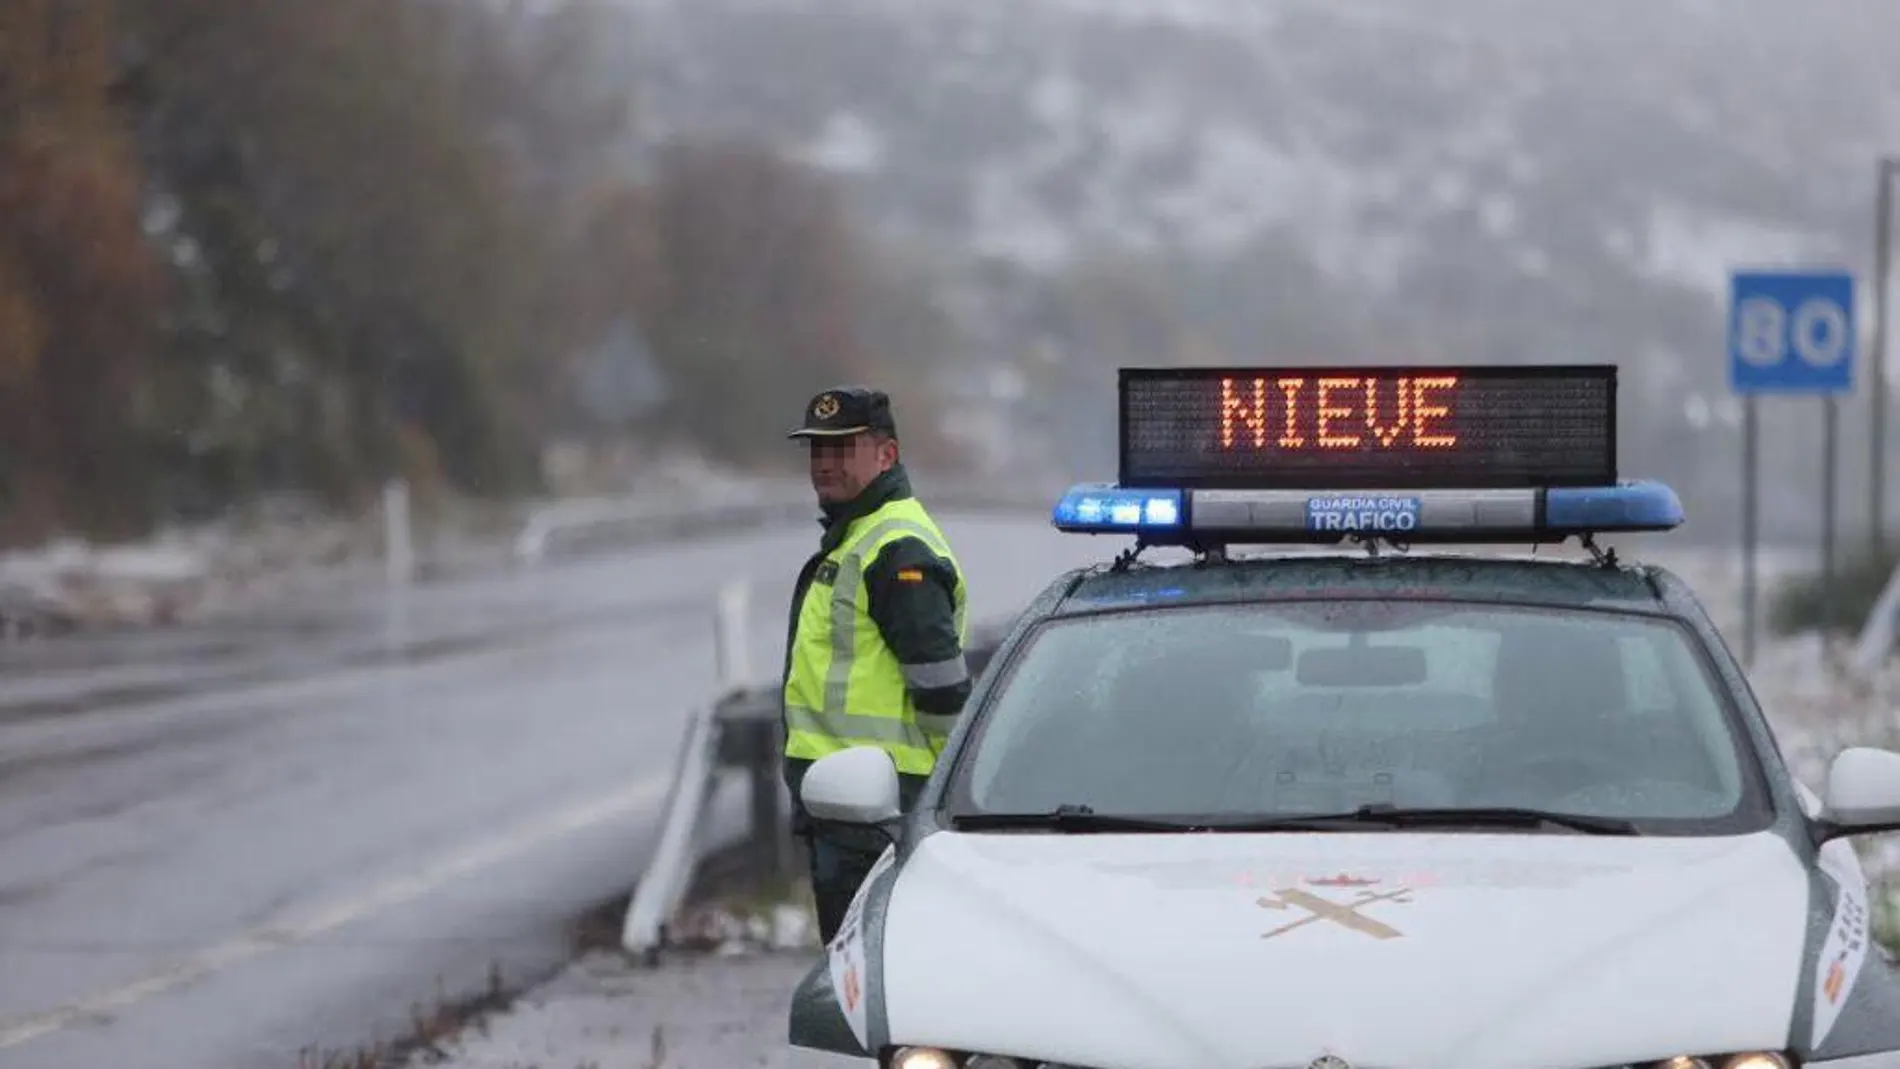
[933, 1058]
[1753, 1059]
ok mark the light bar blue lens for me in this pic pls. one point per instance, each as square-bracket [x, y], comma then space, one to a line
[1630, 506]
[1109, 509]
[1442, 514]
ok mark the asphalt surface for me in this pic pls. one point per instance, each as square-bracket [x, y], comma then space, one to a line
[222, 846]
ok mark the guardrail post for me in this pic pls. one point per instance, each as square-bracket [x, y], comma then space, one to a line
[750, 740]
[399, 553]
[731, 634]
[748, 727]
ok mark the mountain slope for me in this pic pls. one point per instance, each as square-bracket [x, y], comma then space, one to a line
[1492, 180]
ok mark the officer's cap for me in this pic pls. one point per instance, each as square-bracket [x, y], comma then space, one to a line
[847, 410]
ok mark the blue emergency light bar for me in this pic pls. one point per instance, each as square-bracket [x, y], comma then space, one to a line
[1187, 517]
[1218, 456]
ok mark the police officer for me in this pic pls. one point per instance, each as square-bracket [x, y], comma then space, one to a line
[875, 654]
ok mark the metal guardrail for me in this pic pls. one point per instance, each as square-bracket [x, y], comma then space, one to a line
[738, 731]
[618, 522]
[1875, 642]
[662, 888]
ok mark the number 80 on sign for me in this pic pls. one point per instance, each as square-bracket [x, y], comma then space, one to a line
[1792, 332]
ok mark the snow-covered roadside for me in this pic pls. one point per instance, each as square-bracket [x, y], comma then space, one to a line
[192, 574]
[285, 547]
[717, 1001]
[710, 1012]
[1819, 708]
[1817, 705]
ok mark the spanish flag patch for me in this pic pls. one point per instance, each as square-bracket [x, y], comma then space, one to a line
[910, 575]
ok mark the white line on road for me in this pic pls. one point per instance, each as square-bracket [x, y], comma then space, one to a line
[297, 926]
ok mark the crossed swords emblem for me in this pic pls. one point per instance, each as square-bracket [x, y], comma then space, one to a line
[1344, 914]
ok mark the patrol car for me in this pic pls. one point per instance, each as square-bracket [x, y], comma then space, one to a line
[1340, 784]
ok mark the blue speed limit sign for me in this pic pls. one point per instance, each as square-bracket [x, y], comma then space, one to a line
[1791, 332]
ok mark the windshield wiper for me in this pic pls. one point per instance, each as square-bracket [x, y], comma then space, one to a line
[1496, 816]
[1081, 818]
[1393, 816]
[1072, 818]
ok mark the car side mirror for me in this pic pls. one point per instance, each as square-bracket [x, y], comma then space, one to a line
[1863, 793]
[854, 786]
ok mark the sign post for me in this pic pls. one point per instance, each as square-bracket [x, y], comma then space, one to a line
[1888, 169]
[1789, 332]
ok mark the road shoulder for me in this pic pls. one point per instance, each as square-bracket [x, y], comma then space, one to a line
[714, 997]
[706, 1011]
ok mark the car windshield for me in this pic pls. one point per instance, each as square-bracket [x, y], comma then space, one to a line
[1260, 711]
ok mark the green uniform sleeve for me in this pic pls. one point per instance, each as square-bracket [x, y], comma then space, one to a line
[912, 599]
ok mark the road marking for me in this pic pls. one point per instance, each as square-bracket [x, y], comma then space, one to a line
[297, 926]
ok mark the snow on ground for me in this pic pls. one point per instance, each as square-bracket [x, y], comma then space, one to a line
[710, 1012]
[192, 573]
[719, 1003]
[1819, 708]
[287, 545]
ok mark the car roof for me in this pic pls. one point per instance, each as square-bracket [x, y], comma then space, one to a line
[1524, 580]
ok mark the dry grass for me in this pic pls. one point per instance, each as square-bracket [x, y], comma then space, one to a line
[430, 1027]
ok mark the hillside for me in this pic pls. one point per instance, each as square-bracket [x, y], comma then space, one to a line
[1467, 180]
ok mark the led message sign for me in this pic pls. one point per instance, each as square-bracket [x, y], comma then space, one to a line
[1369, 427]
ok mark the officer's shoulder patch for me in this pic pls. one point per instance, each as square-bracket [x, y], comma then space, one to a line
[910, 575]
[827, 572]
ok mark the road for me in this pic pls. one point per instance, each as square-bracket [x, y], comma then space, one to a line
[221, 846]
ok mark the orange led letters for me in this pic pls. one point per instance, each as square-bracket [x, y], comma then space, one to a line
[1330, 410]
[1251, 415]
[1291, 438]
[1420, 410]
[1387, 433]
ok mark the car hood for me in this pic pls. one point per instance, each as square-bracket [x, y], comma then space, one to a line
[1387, 949]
